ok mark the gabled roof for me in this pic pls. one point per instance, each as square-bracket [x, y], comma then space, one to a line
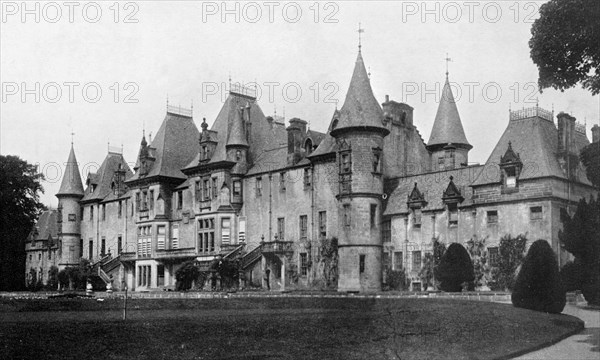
[536, 141]
[360, 108]
[447, 127]
[432, 187]
[71, 181]
[175, 144]
[46, 226]
[104, 177]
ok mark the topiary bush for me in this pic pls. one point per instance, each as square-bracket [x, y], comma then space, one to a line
[538, 286]
[455, 269]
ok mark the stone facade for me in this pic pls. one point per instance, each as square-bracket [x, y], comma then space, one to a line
[251, 187]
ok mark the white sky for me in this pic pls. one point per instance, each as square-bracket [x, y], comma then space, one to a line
[184, 48]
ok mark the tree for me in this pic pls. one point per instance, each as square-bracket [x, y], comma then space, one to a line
[479, 256]
[510, 257]
[565, 44]
[571, 275]
[538, 286]
[455, 269]
[20, 206]
[186, 275]
[590, 158]
[580, 237]
[427, 271]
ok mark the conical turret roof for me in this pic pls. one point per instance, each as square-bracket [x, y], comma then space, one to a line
[360, 108]
[447, 127]
[71, 182]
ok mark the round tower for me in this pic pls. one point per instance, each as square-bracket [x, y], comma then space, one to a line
[359, 131]
[69, 214]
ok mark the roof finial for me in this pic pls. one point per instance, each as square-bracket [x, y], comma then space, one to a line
[230, 81]
[447, 61]
[167, 100]
[369, 73]
[284, 113]
[192, 106]
[509, 106]
[360, 31]
[72, 134]
[275, 110]
[108, 147]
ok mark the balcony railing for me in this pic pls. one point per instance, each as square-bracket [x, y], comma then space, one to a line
[277, 247]
[531, 112]
[176, 253]
[128, 256]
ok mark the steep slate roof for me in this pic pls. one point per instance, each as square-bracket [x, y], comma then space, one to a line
[432, 186]
[104, 177]
[237, 131]
[447, 127]
[536, 141]
[360, 107]
[327, 144]
[270, 160]
[45, 226]
[71, 181]
[176, 144]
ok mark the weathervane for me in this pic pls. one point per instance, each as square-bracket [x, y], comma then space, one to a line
[447, 61]
[360, 31]
[72, 134]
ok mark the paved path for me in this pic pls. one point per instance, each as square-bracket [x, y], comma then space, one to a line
[583, 346]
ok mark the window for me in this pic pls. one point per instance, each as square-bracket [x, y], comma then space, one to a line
[103, 212]
[144, 200]
[493, 255]
[206, 235]
[387, 261]
[205, 189]
[237, 188]
[449, 154]
[282, 181]
[198, 191]
[492, 217]
[225, 230]
[103, 246]
[511, 177]
[303, 264]
[144, 241]
[91, 249]
[137, 201]
[347, 215]
[120, 209]
[376, 160]
[322, 224]
[214, 188]
[281, 228]
[361, 263]
[373, 216]
[151, 200]
[535, 213]
[144, 275]
[303, 226]
[258, 186]
[40, 256]
[175, 236]
[346, 183]
[441, 163]
[119, 244]
[204, 152]
[386, 231]
[416, 217]
[398, 260]
[72, 217]
[180, 199]
[160, 237]
[416, 261]
[307, 178]
[238, 155]
[346, 163]
[92, 212]
[452, 214]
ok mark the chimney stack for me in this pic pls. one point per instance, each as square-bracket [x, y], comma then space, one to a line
[595, 133]
[566, 127]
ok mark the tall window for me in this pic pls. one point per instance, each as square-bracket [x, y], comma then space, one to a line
[144, 241]
[119, 244]
[137, 201]
[144, 275]
[493, 256]
[160, 237]
[225, 230]
[416, 215]
[535, 213]
[144, 200]
[347, 215]
[175, 236]
[282, 181]
[179, 199]
[346, 164]
[441, 163]
[361, 263]
[237, 188]
[386, 231]
[120, 209]
[307, 178]
[103, 246]
[416, 261]
[92, 212]
[151, 200]
[373, 216]
[214, 188]
[452, 214]
[258, 186]
[206, 235]
[198, 191]
[303, 264]
[511, 177]
[492, 217]
[205, 190]
[398, 264]
[322, 224]
[376, 160]
[103, 212]
[303, 226]
[91, 249]
[281, 228]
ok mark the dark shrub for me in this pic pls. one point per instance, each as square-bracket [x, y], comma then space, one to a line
[455, 269]
[396, 279]
[186, 275]
[538, 286]
[572, 275]
[52, 278]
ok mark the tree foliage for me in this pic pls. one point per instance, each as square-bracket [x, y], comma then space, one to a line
[479, 256]
[571, 275]
[397, 279]
[590, 158]
[328, 261]
[20, 206]
[565, 44]
[455, 269]
[510, 256]
[186, 275]
[76, 277]
[580, 237]
[427, 272]
[538, 286]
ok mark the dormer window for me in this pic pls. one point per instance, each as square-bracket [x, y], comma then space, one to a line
[510, 169]
[238, 155]
[308, 146]
[510, 177]
[204, 152]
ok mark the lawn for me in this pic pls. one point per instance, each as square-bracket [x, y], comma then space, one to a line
[273, 328]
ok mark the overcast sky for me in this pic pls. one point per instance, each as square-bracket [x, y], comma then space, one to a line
[187, 50]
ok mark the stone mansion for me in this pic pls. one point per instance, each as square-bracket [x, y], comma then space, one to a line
[251, 185]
